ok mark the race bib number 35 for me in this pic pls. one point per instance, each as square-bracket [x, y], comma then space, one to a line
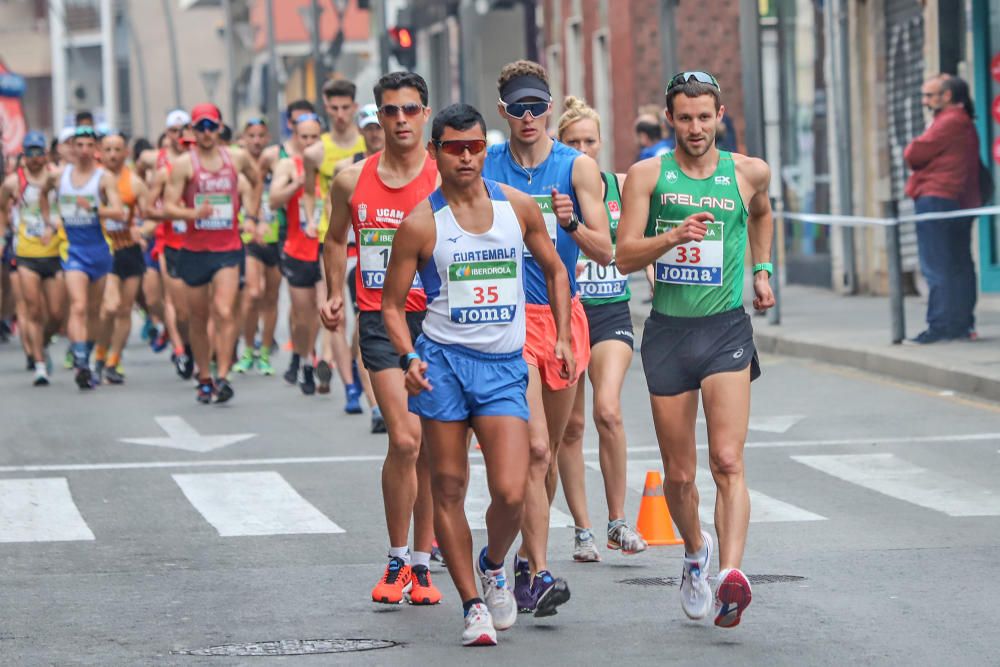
[482, 292]
[692, 263]
[222, 212]
[374, 250]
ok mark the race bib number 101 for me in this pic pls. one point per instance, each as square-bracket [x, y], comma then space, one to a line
[692, 263]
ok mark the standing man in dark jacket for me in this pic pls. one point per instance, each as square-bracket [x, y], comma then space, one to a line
[945, 164]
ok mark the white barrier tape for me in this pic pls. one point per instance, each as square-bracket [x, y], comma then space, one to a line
[856, 220]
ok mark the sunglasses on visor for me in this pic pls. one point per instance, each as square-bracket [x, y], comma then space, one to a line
[458, 146]
[519, 109]
[408, 109]
[700, 77]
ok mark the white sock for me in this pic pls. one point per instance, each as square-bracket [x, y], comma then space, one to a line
[421, 558]
[402, 553]
[40, 367]
[700, 556]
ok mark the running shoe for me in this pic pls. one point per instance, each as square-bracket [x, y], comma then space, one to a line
[395, 583]
[48, 363]
[245, 362]
[159, 342]
[184, 365]
[323, 374]
[436, 554]
[223, 391]
[422, 589]
[264, 366]
[29, 363]
[353, 404]
[732, 597]
[523, 594]
[41, 378]
[148, 329]
[308, 384]
[69, 360]
[99, 371]
[84, 379]
[496, 591]
[378, 422]
[292, 374]
[205, 390]
[624, 537]
[696, 593]
[550, 592]
[479, 629]
[114, 375]
[584, 549]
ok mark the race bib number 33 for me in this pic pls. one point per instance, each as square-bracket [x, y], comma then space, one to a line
[374, 250]
[692, 263]
[482, 292]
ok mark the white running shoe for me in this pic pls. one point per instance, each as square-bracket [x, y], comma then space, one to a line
[479, 627]
[732, 597]
[499, 597]
[696, 593]
[584, 549]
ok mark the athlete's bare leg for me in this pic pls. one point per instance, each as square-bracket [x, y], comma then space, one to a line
[726, 397]
[225, 293]
[268, 308]
[609, 361]
[199, 306]
[29, 292]
[305, 322]
[366, 380]
[55, 304]
[504, 442]
[122, 317]
[572, 471]
[400, 472]
[152, 293]
[674, 419]
[253, 297]
[110, 300]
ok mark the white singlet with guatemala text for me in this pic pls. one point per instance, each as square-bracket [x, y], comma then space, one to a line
[474, 282]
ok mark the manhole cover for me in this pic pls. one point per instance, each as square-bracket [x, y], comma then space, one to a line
[673, 581]
[291, 647]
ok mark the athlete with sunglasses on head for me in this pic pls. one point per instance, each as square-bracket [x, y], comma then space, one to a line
[690, 212]
[567, 187]
[40, 285]
[371, 198]
[204, 191]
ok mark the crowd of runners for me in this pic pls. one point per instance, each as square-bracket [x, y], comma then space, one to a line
[460, 288]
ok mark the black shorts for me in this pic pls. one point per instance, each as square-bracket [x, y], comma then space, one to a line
[198, 268]
[45, 267]
[170, 258]
[352, 286]
[610, 321]
[377, 352]
[128, 263]
[299, 273]
[679, 352]
[269, 254]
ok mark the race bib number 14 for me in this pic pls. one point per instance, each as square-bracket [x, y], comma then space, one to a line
[374, 250]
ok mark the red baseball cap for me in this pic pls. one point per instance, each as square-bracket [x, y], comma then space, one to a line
[205, 111]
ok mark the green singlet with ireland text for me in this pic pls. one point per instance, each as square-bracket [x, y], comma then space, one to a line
[699, 279]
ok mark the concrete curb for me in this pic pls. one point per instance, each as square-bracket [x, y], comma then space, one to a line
[883, 364]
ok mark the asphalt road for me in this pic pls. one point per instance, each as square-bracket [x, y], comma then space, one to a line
[876, 502]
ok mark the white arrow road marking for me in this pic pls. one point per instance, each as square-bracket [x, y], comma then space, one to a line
[894, 477]
[764, 508]
[477, 501]
[252, 503]
[776, 424]
[181, 435]
[40, 510]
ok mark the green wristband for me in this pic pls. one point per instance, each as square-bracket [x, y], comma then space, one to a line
[764, 266]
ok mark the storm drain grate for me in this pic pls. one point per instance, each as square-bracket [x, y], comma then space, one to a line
[673, 581]
[290, 647]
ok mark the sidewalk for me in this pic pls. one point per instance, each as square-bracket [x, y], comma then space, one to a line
[855, 331]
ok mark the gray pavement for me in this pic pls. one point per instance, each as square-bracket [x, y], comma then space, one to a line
[881, 495]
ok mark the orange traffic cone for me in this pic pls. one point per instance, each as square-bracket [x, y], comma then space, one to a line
[654, 522]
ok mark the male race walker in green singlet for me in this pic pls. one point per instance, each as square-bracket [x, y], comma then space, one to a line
[690, 212]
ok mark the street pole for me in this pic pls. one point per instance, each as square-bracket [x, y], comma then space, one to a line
[57, 36]
[531, 30]
[319, 72]
[274, 114]
[668, 40]
[753, 103]
[227, 8]
[109, 85]
[837, 31]
[379, 23]
[897, 313]
[168, 20]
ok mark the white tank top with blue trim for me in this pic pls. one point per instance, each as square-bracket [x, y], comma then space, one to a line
[474, 282]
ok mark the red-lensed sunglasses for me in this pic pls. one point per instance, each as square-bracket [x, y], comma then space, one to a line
[459, 146]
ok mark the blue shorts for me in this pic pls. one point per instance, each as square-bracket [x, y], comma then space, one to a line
[95, 261]
[148, 256]
[468, 383]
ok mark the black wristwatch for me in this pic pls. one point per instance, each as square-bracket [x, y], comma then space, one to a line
[406, 359]
[574, 222]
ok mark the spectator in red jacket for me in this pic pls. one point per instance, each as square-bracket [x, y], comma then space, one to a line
[945, 164]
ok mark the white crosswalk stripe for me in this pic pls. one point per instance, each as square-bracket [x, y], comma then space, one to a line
[765, 509]
[897, 478]
[477, 500]
[40, 510]
[252, 503]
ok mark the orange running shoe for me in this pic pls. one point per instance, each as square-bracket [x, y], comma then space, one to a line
[396, 582]
[422, 590]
